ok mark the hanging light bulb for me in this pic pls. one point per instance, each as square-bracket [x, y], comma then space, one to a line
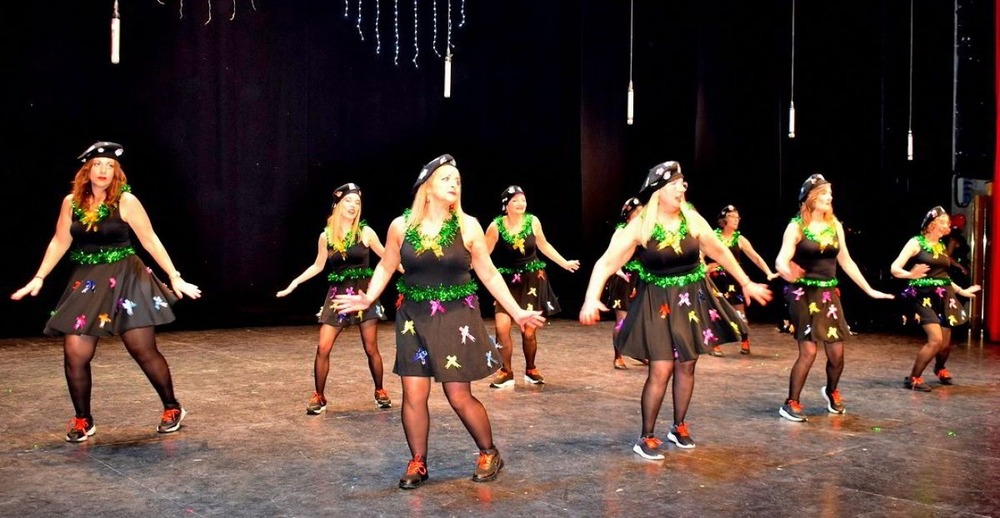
[447, 76]
[116, 23]
[909, 145]
[791, 120]
[630, 111]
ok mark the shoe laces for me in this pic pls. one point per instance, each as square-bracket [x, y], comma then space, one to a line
[486, 459]
[681, 430]
[532, 372]
[317, 398]
[795, 406]
[652, 442]
[417, 466]
[835, 397]
[917, 380]
[170, 414]
[943, 373]
[381, 394]
[78, 423]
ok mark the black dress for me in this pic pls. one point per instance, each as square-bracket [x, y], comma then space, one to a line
[111, 290]
[439, 327]
[349, 273]
[814, 300]
[516, 258]
[726, 283]
[932, 299]
[677, 312]
[619, 292]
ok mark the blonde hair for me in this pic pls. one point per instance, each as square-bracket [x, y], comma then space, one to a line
[418, 211]
[335, 232]
[807, 207]
[81, 185]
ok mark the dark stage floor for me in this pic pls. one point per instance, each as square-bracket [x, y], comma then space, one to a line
[247, 447]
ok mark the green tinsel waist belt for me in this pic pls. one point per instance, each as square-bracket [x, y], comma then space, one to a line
[102, 255]
[667, 281]
[350, 273]
[533, 266]
[817, 283]
[925, 282]
[441, 292]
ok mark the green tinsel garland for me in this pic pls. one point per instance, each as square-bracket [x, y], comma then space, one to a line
[103, 211]
[829, 231]
[526, 227]
[349, 240]
[936, 249]
[668, 281]
[102, 256]
[816, 283]
[732, 239]
[533, 266]
[350, 273]
[444, 238]
[925, 282]
[441, 292]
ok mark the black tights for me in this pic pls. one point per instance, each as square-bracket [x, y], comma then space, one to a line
[938, 347]
[807, 355]
[660, 372]
[78, 351]
[529, 343]
[416, 416]
[328, 335]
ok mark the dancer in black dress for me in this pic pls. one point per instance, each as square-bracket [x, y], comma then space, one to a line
[677, 313]
[513, 240]
[932, 296]
[111, 292]
[620, 288]
[344, 247]
[728, 232]
[439, 328]
[811, 249]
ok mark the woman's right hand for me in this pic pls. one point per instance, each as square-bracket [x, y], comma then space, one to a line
[345, 304]
[590, 313]
[286, 291]
[919, 271]
[32, 288]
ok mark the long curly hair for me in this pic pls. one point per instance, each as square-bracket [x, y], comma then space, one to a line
[82, 193]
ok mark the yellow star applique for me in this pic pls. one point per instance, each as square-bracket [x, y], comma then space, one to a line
[519, 244]
[692, 317]
[831, 332]
[813, 308]
[452, 362]
[408, 326]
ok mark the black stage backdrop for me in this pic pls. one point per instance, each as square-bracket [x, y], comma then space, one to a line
[237, 130]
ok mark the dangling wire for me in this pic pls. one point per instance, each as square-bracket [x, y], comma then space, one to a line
[233, 16]
[462, 23]
[448, 44]
[347, 7]
[209, 12]
[378, 38]
[416, 46]
[909, 121]
[360, 32]
[630, 107]
[791, 104]
[434, 42]
[395, 25]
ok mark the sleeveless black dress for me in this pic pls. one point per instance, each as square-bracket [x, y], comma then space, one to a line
[439, 327]
[677, 312]
[814, 300]
[111, 290]
[349, 273]
[726, 283]
[932, 299]
[619, 292]
[516, 258]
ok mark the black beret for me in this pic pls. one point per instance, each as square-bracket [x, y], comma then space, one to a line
[814, 181]
[630, 205]
[431, 166]
[659, 175]
[344, 190]
[932, 215]
[99, 149]
[508, 194]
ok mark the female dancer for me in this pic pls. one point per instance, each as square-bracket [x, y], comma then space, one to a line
[620, 288]
[931, 295]
[344, 246]
[439, 328]
[111, 292]
[512, 240]
[729, 234]
[811, 249]
[676, 314]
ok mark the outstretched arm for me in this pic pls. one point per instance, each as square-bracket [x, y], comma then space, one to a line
[748, 249]
[619, 251]
[57, 248]
[713, 247]
[550, 251]
[313, 269]
[135, 215]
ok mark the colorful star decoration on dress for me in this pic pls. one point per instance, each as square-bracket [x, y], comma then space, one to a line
[813, 308]
[112, 282]
[798, 293]
[827, 296]
[952, 303]
[420, 356]
[617, 304]
[127, 305]
[940, 291]
[533, 291]
[808, 331]
[490, 360]
[952, 320]
[470, 301]
[713, 315]
[692, 317]
[708, 336]
[430, 244]
[735, 326]
[104, 318]
[158, 303]
[516, 279]
[518, 244]
[684, 299]
[466, 334]
[399, 300]
[452, 362]
[831, 312]
[540, 274]
[436, 307]
[927, 302]
[408, 327]
[81, 321]
[530, 307]
[831, 332]
[664, 310]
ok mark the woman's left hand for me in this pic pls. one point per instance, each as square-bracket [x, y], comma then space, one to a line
[772, 276]
[875, 294]
[182, 287]
[969, 292]
[572, 266]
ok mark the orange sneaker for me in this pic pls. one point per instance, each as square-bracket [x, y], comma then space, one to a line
[416, 473]
[382, 399]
